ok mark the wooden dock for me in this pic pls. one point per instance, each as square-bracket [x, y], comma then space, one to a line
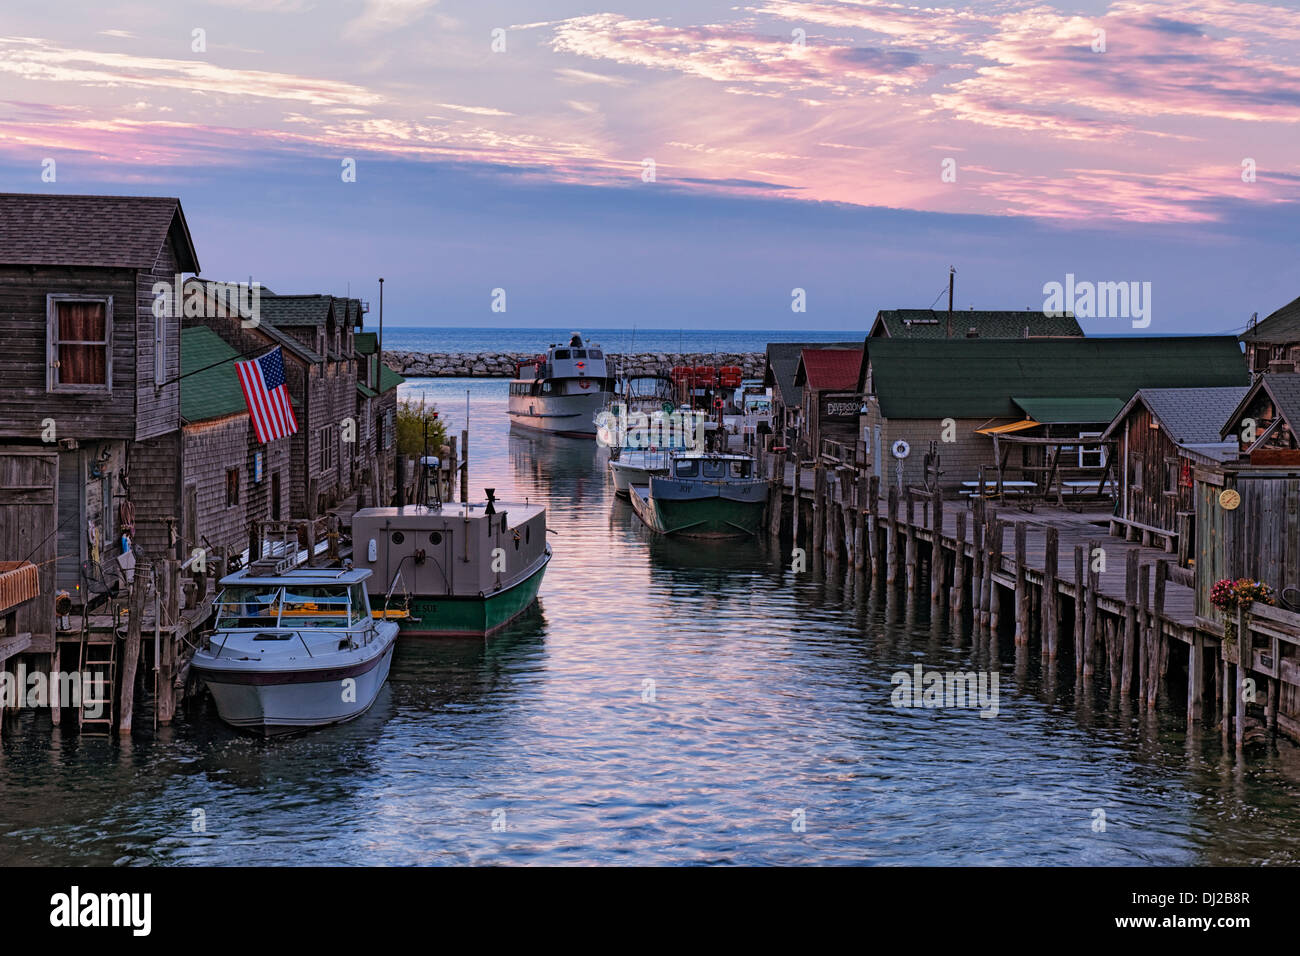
[1048, 576]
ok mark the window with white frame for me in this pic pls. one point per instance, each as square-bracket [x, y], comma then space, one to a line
[1091, 456]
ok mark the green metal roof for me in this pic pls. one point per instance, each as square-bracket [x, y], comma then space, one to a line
[987, 323]
[366, 390]
[365, 342]
[1070, 411]
[213, 392]
[976, 378]
[388, 379]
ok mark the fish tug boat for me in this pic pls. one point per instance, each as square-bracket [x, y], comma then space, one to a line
[704, 495]
[454, 569]
[560, 392]
[294, 647]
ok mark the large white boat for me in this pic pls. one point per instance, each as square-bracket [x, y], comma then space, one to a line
[294, 649]
[560, 392]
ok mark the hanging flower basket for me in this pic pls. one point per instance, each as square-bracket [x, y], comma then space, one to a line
[1228, 595]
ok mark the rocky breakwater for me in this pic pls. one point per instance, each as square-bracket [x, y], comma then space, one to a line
[503, 364]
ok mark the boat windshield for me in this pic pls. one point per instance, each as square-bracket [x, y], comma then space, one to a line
[713, 469]
[298, 606]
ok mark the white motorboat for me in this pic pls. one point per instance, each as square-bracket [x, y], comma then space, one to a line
[294, 648]
[561, 391]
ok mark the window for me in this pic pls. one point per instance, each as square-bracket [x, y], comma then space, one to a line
[1091, 456]
[561, 353]
[325, 439]
[160, 350]
[79, 337]
[687, 468]
[1137, 474]
[579, 353]
[232, 487]
[1171, 476]
[595, 353]
[314, 607]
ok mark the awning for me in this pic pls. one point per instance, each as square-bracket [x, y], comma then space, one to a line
[1083, 410]
[18, 583]
[1012, 427]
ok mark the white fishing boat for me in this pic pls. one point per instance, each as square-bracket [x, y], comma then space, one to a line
[561, 392]
[294, 648]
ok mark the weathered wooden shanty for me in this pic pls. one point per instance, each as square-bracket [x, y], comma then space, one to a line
[827, 380]
[1264, 424]
[1030, 409]
[89, 370]
[972, 324]
[377, 407]
[1273, 343]
[782, 364]
[1160, 437]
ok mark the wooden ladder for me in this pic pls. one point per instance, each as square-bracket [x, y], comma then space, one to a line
[98, 664]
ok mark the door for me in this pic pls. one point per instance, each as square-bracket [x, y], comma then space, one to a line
[275, 496]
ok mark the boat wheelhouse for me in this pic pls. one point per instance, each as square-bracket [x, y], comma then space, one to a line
[294, 648]
[560, 392]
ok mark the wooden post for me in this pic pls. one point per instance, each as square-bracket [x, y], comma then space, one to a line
[995, 566]
[861, 525]
[891, 537]
[794, 509]
[1148, 671]
[1270, 708]
[986, 569]
[1131, 559]
[936, 551]
[957, 599]
[1080, 563]
[1113, 655]
[778, 496]
[873, 523]
[910, 531]
[131, 653]
[1195, 679]
[56, 705]
[1050, 614]
[167, 672]
[1090, 614]
[1245, 657]
[1022, 586]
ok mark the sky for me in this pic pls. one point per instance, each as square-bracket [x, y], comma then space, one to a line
[686, 164]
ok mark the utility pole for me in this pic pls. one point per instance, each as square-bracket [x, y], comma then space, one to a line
[952, 272]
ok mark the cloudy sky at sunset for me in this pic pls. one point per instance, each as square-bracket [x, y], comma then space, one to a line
[795, 144]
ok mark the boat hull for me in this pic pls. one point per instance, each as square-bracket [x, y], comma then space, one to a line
[291, 701]
[627, 474]
[470, 616]
[699, 516]
[569, 415]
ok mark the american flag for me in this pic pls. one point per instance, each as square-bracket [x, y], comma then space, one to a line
[267, 395]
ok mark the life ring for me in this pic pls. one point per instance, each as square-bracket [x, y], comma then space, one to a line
[901, 449]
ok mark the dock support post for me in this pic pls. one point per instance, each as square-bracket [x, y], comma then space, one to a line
[131, 653]
[167, 668]
[1157, 622]
[1022, 587]
[1090, 613]
[909, 530]
[1270, 707]
[1080, 563]
[891, 538]
[1149, 669]
[873, 525]
[56, 704]
[778, 497]
[936, 551]
[977, 568]
[862, 525]
[957, 598]
[1195, 680]
[1050, 607]
[794, 505]
[995, 566]
[1131, 558]
[819, 509]
[1245, 657]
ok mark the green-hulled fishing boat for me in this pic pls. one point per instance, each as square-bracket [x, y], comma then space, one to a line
[453, 569]
[704, 496]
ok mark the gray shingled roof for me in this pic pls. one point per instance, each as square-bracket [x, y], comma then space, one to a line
[1283, 388]
[126, 232]
[990, 323]
[297, 310]
[1278, 327]
[783, 363]
[1190, 416]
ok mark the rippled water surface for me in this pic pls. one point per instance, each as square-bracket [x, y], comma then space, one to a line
[771, 695]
